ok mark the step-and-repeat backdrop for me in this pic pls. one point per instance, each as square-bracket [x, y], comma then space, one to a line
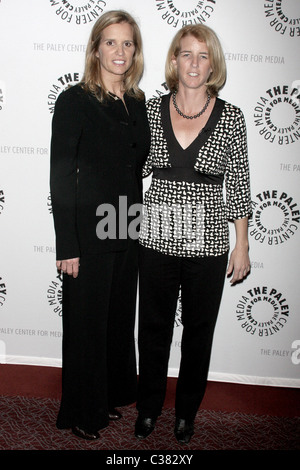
[42, 50]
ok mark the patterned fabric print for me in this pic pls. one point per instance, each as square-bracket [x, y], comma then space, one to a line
[224, 152]
[184, 219]
[158, 154]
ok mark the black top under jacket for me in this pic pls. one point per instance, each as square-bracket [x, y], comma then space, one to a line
[97, 154]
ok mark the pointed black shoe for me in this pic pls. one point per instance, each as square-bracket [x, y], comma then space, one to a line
[89, 435]
[183, 430]
[144, 427]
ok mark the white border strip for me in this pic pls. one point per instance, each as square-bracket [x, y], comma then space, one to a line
[31, 361]
[247, 379]
[213, 376]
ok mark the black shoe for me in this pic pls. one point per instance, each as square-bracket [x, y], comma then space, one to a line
[144, 427]
[89, 435]
[183, 430]
[114, 414]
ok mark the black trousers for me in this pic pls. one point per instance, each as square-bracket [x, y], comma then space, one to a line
[201, 281]
[99, 363]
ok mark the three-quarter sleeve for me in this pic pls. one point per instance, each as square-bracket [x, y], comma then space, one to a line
[66, 130]
[147, 167]
[238, 198]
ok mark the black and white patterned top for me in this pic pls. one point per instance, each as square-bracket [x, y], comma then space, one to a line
[184, 209]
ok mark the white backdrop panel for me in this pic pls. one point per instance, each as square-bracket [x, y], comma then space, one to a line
[42, 49]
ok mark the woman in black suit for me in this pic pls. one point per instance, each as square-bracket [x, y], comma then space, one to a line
[100, 140]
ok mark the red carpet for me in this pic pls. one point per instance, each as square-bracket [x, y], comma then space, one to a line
[232, 417]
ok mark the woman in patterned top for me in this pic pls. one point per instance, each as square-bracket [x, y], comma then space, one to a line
[197, 141]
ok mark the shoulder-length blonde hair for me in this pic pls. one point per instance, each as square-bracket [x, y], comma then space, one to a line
[205, 34]
[92, 77]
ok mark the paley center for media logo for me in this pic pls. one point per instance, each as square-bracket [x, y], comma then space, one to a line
[277, 114]
[276, 217]
[80, 13]
[262, 311]
[54, 295]
[2, 201]
[3, 292]
[49, 204]
[62, 83]
[2, 94]
[179, 13]
[283, 17]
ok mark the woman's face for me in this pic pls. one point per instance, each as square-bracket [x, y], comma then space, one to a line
[192, 63]
[116, 50]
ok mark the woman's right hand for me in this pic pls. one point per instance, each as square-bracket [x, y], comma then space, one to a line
[69, 266]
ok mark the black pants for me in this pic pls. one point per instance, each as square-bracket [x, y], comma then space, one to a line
[99, 363]
[201, 281]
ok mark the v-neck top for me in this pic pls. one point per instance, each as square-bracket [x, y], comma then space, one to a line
[183, 160]
[185, 213]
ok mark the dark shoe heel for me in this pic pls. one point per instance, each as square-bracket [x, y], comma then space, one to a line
[183, 430]
[144, 427]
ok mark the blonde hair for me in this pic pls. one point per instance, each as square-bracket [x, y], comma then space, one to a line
[92, 78]
[205, 34]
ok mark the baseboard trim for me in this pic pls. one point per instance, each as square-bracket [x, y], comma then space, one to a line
[31, 361]
[172, 372]
[247, 379]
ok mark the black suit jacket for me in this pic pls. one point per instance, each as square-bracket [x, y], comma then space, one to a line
[97, 154]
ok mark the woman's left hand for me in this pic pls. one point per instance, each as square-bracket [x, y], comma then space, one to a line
[239, 264]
